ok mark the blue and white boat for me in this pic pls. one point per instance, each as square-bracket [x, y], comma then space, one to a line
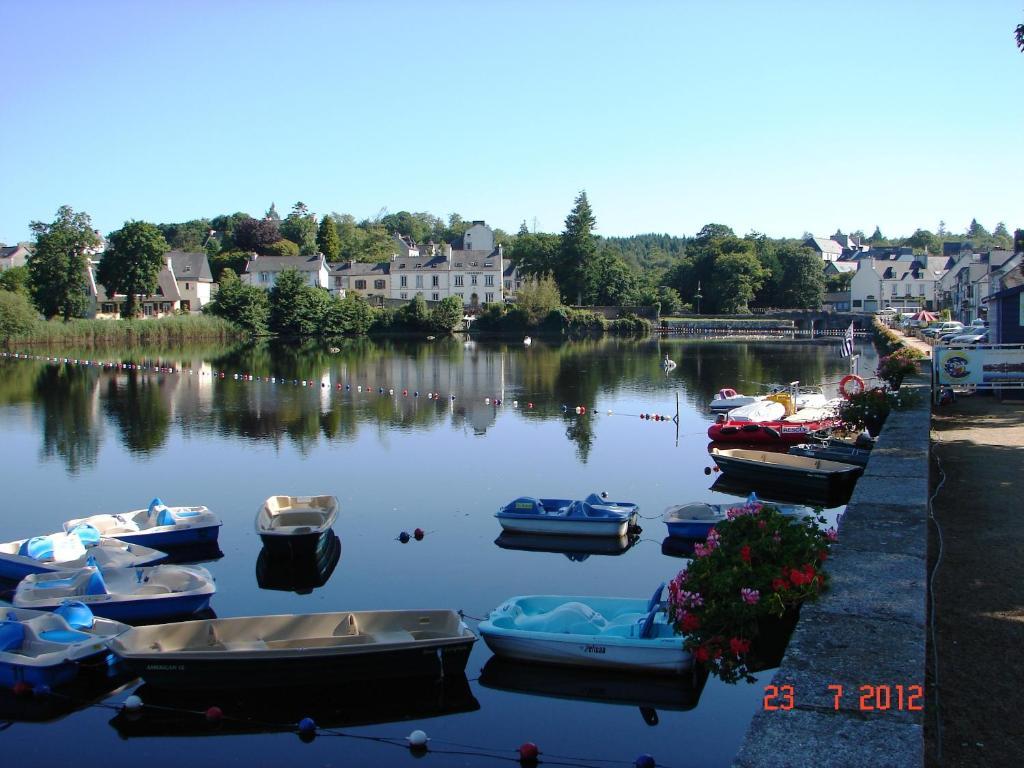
[696, 519]
[125, 594]
[156, 526]
[68, 551]
[593, 516]
[44, 649]
[607, 632]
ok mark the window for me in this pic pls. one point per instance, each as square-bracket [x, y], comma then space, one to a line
[435, 297]
[419, 281]
[488, 263]
[188, 268]
[472, 279]
[488, 297]
[461, 295]
[264, 277]
[907, 291]
[508, 285]
[434, 281]
[474, 263]
[165, 307]
[147, 310]
[187, 287]
[489, 280]
[403, 295]
[856, 302]
[108, 308]
[337, 282]
[403, 281]
[894, 287]
[401, 266]
[458, 264]
[360, 285]
[186, 305]
[920, 289]
[378, 284]
[458, 281]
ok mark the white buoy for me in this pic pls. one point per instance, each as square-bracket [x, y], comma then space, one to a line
[417, 739]
[133, 703]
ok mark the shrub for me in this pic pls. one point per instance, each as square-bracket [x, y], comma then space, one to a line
[630, 325]
[17, 315]
[282, 248]
[902, 362]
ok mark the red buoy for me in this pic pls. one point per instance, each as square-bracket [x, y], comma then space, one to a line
[528, 752]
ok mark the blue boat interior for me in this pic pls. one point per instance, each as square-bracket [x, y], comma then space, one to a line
[89, 535]
[66, 636]
[38, 548]
[12, 635]
[77, 615]
[567, 508]
[577, 618]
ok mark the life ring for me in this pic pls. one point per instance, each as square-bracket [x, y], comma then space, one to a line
[856, 381]
[726, 393]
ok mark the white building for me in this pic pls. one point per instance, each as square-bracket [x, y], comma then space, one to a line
[191, 272]
[13, 256]
[263, 270]
[905, 284]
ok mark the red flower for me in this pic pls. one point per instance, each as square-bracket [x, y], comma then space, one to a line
[809, 572]
[745, 553]
[797, 578]
[701, 654]
[822, 555]
[779, 585]
[690, 622]
[739, 645]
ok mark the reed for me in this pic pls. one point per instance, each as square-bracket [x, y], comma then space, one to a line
[96, 333]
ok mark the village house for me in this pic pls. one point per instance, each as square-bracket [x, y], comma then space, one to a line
[13, 256]
[371, 281]
[262, 271]
[901, 281]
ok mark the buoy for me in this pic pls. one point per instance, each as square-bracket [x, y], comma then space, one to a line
[529, 405]
[487, 401]
[348, 387]
[645, 761]
[515, 403]
[391, 391]
[430, 395]
[214, 715]
[359, 388]
[21, 688]
[132, 704]
[404, 537]
[609, 413]
[417, 740]
[416, 393]
[405, 393]
[578, 410]
[565, 408]
[307, 725]
[528, 752]
[641, 415]
[453, 398]
[707, 470]
[583, 409]
[418, 534]
[716, 469]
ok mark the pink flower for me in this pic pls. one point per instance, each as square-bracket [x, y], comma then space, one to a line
[832, 535]
[699, 550]
[750, 596]
[777, 538]
[739, 645]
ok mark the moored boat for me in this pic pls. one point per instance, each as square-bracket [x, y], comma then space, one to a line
[295, 525]
[696, 519]
[156, 526]
[610, 632]
[141, 594]
[727, 399]
[64, 551]
[781, 432]
[833, 450]
[794, 471]
[297, 649]
[593, 516]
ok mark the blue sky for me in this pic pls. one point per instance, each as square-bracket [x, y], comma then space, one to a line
[780, 117]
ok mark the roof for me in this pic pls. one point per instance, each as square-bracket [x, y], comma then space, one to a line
[359, 268]
[835, 297]
[166, 290]
[465, 257]
[844, 266]
[281, 263]
[824, 244]
[190, 266]
[10, 251]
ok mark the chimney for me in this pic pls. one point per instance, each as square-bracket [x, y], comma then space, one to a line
[446, 249]
[351, 263]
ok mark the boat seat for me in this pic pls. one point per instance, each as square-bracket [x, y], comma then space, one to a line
[569, 618]
[153, 589]
[12, 635]
[64, 636]
[393, 636]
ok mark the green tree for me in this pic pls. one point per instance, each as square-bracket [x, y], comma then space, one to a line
[447, 315]
[535, 254]
[288, 304]
[577, 250]
[736, 279]
[188, 236]
[272, 213]
[17, 315]
[327, 239]
[670, 300]
[300, 227]
[977, 233]
[924, 240]
[537, 297]
[15, 280]
[803, 281]
[132, 262]
[282, 247]
[1001, 235]
[57, 263]
[247, 306]
[415, 315]
[877, 238]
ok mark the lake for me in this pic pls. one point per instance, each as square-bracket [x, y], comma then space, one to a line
[80, 440]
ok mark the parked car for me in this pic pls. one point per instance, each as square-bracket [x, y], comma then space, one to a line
[975, 337]
[937, 330]
[947, 337]
[979, 323]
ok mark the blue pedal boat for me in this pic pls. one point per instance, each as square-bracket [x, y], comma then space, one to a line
[593, 516]
[67, 551]
[44, 649]
[696, 519]
[607, 632]
[157, 525]
[156, 593]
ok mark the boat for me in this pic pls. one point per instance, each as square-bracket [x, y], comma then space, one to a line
[833, 450]
[774, 492]
[608, 632]
[295, 525]
[299, 574]
[696, 519]
[727, 399]
[44, 649]
[156, 526]
[593, 516]
[297, 649]
[172, 713]
[575, 548]
[794, 471]
[155, 593]
[759, 410]
[789, 431]
[67, 551]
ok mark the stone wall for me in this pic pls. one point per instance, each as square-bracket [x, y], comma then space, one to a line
[868, 629]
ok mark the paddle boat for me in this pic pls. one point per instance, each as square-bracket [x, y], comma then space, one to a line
[795, 472]
[593, 516]
[297, 649]
[44, 649]
[156, 526]
[67, 551]
[608, 632]
[295, 525]
[696, 519]
[727, 399]
[156, 593]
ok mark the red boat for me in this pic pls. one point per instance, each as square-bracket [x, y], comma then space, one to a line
[780, 432]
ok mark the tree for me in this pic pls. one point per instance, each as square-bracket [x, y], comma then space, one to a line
[924, 240]
[300, 227]
[447, 315]
[255, 234]
[225, 225]
[288, 305]
[1019, 34]
[712, 231]
[736, 279]
[57, 263]
[15, 280]
[535, 254]
[272, 213]
[132, 262]
[977, 233]
[327, 239]
[245, 305]
[803, 281]
[577, 249]
[282, 248]
[188, 236]
[877, 238]
[1001, 235]
[537, 297]
[17, 315]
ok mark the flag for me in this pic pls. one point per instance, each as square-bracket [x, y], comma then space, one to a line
[847, 347]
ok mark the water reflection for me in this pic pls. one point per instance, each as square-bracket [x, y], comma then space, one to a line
[299, 574]
[575, 548]
[66, 399]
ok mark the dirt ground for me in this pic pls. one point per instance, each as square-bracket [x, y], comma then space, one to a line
[978, 442]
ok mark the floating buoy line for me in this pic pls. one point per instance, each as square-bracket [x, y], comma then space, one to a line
[365, 389]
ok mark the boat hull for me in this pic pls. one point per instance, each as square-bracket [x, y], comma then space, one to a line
[597, 653]
[845, 454]
[769, 432]
[186, 537]
[556, 526]
[769, 472]
[301, 546]
[52, 676]
[16, 567]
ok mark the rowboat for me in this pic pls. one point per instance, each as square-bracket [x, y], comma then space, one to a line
[156, 593]
[156, 526]
[833, 450]
[696, 519]
[608, 632]
[593, 516]
[295, 525]
[297, 649]
[63, 551]
[794, 471]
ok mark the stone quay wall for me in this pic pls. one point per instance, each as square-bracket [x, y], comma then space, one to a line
[868, 629]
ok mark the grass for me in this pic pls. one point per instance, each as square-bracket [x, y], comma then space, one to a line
[95, 333]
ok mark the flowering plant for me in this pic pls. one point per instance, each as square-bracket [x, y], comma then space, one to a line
[903, 362]
[755, 565]
[867, 409]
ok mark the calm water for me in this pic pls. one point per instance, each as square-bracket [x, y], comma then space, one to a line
[79, 440]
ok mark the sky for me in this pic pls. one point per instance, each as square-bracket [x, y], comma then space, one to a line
[782, 117]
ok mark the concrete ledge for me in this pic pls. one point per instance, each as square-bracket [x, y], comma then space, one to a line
[868, 629]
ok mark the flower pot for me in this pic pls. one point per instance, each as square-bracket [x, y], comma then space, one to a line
[873, 423]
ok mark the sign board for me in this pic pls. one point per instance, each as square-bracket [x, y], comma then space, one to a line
[988, 366]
